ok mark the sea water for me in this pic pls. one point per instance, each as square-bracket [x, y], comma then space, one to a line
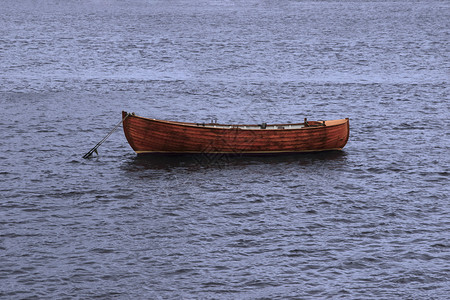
[369, 222]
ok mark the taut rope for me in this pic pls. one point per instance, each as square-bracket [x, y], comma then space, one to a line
[87, 155]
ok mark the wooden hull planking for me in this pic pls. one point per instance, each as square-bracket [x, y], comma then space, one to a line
[147, 136]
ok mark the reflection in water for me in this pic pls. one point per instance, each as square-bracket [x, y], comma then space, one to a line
[217, 161]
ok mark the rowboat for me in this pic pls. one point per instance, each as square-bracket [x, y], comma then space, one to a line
[152, 136]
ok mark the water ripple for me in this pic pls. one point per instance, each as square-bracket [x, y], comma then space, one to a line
[368, 222]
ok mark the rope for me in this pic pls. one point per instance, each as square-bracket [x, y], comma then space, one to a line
[87, 155]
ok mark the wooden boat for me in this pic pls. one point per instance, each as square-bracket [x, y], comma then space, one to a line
[151, 136]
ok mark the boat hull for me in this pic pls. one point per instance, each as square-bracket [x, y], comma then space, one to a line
[150, 136]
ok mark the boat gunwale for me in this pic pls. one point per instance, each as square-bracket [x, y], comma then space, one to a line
[218, 126]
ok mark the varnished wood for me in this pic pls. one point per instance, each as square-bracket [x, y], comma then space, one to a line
[148, 136]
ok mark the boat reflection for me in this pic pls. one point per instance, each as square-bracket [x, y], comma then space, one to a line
[212, 160]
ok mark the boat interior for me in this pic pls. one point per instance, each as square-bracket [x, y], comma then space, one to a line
[265, 125]
[262, 126]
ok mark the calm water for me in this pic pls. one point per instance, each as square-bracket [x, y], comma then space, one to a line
[369, 222]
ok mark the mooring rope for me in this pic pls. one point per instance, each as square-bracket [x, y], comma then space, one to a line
[87, 155]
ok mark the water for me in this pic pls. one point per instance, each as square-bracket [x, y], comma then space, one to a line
[369, 222]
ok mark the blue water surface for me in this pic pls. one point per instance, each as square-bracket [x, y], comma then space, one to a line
[369, 222]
